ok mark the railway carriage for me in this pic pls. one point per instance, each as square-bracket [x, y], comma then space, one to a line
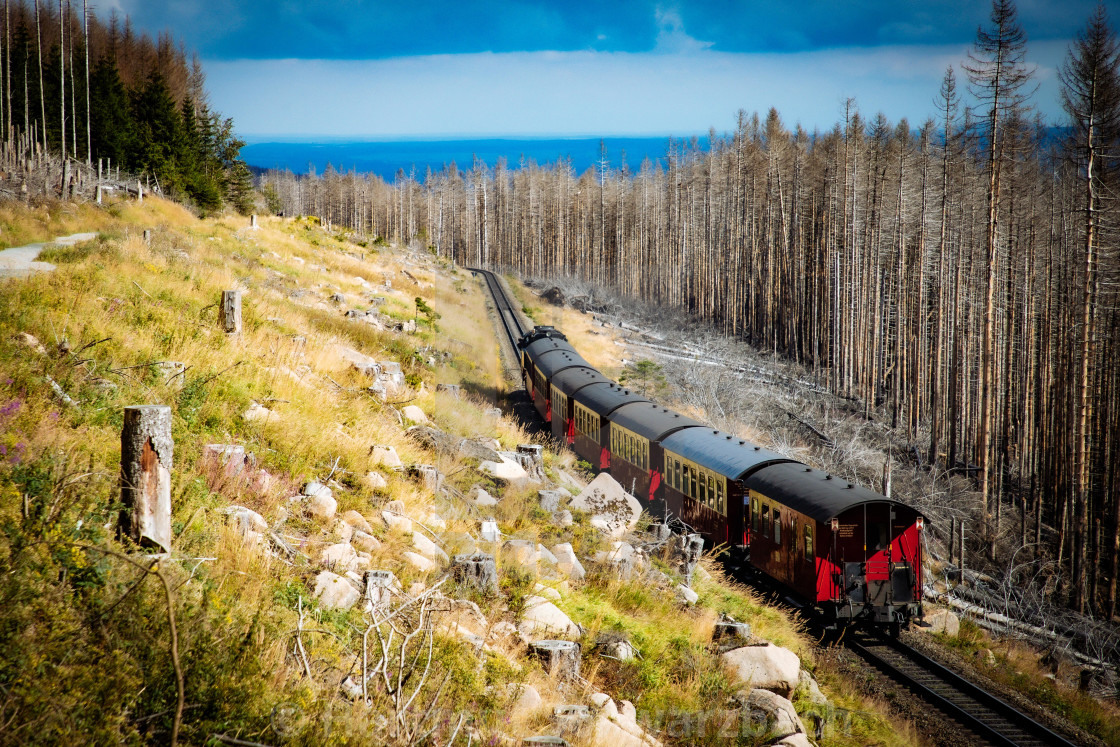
[704, 473]
[636, 433]
[592, 409]
[547, 358]
[842, 548]
[564, 387]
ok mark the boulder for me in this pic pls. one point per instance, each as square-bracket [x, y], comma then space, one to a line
[430, 477]
[397, 522]
[564, 519]
[359, 361]
[364, 541]
[766, 667]
[249, 524]
[414, 414]
[769, 713]
[344, 531]
[435, 521]
[427, 548]
[489, 531]
[507, 472]
[320, 501]
[521, 553]
[795, 740]
[479, 448]
[461, 614]
[543, 619]
[481, 498]
[386, 456]
[335, 592]
[341, 557]
[419, 562]
[525, 700]
[621, 560]
[613, 511]
[567, 562]
[257, 412]
[547, 592]
[31, 342]
[812, 690]
[941, 621]
[376, 480]
[357, 521]
[686, 596]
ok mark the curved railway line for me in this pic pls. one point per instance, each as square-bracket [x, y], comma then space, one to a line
[985, 715]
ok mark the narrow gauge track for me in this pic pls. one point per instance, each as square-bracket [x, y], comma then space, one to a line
[510, 317]
[986, 715]
[966, 703]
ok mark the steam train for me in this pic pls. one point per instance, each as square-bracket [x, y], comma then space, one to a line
[842, 549]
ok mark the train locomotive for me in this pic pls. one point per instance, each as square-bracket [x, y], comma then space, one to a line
[844, 550]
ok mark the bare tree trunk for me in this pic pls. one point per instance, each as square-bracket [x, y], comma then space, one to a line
[146, 460]
[42, 88]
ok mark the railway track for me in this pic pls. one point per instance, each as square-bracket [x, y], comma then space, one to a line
[985, 715]
[510, 318]
[979, 711]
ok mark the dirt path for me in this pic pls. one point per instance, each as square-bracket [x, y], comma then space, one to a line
[20, 261]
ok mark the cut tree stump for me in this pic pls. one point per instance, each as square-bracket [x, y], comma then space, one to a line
[231, 311]
[146, 458]
[559, 658]
[476, 571]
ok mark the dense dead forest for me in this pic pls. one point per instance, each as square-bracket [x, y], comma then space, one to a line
[959, 279]
[78, 93]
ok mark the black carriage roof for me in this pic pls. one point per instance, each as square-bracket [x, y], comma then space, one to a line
[571, 380]
[818, 495]
[650, 420]
[551, 363]
[603, 399]
[544, 345]
[721, 452]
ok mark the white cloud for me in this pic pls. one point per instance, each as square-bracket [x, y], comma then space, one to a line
[671, 36]
[585, 93]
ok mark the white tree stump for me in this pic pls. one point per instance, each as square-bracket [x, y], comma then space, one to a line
[147, 452]
[560, 659]
[139, 189]
[231, 311]
[253, 220]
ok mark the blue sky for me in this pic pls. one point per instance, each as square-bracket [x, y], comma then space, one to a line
[381, 70]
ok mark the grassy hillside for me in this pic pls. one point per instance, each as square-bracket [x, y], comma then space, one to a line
[104, 643]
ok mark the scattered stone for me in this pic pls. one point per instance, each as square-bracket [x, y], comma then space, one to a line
[492, 412]
[686, 596]
[341, 557]
[435, 521]
[615, 646]
[772, 714]
[480, 448]
[767, 667]
[30, 341]
[564, 519]
[546, 591]
[521, 553]
[489, 531]
[941, 621]
[621, 560]
[460, 616]
[507, 472]
[414, 413]
[427, 548]
[567, 562]
[396, 521]
[335, 592]
[365, 542]
[541, 618]
[337, 298]
[613, 511]
[356, 520]
[385, 455]
[351, 688]
[475, 571]
[812, 690]
[546, 555]
[481, 498]
[258, 412]
[419, 562]
[249, 524]
[526, 700]
[344, 531]
[320, 501]
[376, 480]
[560, 659]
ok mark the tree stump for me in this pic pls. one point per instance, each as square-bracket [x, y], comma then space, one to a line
[146, 459]
[688, 551]
[727, 628]
[253, 220]
[231, 311]
[148, 236]
[380, 586]
[476, 571]
[559, 658]
[139, 190]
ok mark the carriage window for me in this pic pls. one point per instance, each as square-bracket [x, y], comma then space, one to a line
[693, 491]
[765, 521]
[809, 542]
[677, 474]
[754, 514]
[777, 527]
[711, 491]
[719, 497]
[703, 489]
